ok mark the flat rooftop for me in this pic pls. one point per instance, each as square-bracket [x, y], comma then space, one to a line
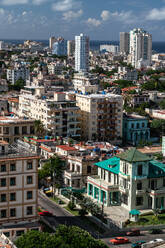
[8, 120]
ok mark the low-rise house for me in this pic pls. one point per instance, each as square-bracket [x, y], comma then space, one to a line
[65, 150]
[135, 129]
[137, 99]
[130, 179]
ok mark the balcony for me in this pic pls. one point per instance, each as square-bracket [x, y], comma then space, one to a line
[123, 189]
[157, 191]
[140, 192]
[102, 183]
[72, 174]
[124, 175]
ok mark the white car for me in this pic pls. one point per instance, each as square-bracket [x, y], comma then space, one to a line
[150, 243]
[155, 241]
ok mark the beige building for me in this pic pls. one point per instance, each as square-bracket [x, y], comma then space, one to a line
[18, 185]
[14, 128]
[56, 113]
[101, 116]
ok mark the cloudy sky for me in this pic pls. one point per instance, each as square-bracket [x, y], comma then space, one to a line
[100, 19]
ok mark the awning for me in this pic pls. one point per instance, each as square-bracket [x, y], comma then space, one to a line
[134, 212]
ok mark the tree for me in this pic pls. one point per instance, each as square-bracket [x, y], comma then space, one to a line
[39, 128]
[162, 104]
[64, 237]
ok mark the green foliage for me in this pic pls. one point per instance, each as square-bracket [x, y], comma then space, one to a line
[39, 128]
[159, 156]
[123, 83]
[71, 205]
[154, 84]
[19, 84]
[162, 104]
[65, 237]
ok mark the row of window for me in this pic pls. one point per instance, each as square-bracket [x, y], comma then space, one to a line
[3, 167]
[3, 212]
[12, 182]
[3, 197]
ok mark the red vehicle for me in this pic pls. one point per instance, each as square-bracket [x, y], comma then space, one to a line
[133, 232]
[119, 240]
[45, 213]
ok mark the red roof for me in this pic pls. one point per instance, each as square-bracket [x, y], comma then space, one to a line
[67, 148]
[42, 140]
[129, 88]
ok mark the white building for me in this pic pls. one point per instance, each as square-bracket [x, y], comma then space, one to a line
[85, 82]
[81, 53]
[140, 47]
[109, 48]
[20, 72]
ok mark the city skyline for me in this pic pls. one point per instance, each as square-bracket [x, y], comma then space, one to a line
[40, 19]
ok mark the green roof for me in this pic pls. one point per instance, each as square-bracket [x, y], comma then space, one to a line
[133, 155]
[156, 169]
[134, 212]
[111, 165]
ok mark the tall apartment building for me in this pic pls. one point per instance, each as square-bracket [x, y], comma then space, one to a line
[70, 47]
[81, 53]
[18, 185]
[60, 116]
[101, 116]
[140, 47]
[60, 47]
[51, 41]
[124, 42]
[13, 128]
[20, 72]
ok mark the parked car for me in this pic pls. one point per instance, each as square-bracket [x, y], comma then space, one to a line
[153, 242]
[138, 244]
[156, 241]
[133, 232]
[155, 231]
[45, 213]
[119, 240]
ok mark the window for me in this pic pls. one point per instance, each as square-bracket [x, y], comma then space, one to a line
[139, 201]
[125, 199]
[29, 210]
[12, 212]
[137, 125]
[88, 169]
[163, 182]
[139, 186]
[140, 169]
[12, 181]
[3, 197]
[143, 125]
[29, 195]
[3, 213]
[3, 182]
[132, 125]
[12, 196]
[29, 165]
[29, 179]
[3, 168]
[19, 233]
[12, 167]
[109, 177]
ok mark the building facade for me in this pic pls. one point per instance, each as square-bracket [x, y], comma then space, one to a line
[135, 129]
[131, 179]
[124, 43]
[100, 116]
[70, 47]
[21, 72]
[140, 47]
[81, 53]
[60, 47]
[85, 82]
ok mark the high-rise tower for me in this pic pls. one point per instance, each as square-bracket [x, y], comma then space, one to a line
[81, 53]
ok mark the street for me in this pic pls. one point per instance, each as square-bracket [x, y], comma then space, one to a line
[144, 236]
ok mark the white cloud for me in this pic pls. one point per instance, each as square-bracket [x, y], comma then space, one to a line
[93, 22]
[2, 11]
[105, 15]
[13, 2]
[156, 14]
[24, 13]
[66, 5]
[68, 16]
[38, 2]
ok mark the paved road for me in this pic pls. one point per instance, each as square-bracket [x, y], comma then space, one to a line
[145, 236]
[62, 216]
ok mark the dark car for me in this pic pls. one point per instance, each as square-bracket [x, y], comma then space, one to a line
[45, 213]
[133, 232]
[138, 244]
[155, 231]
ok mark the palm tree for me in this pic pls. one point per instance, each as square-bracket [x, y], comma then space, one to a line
[39, 128]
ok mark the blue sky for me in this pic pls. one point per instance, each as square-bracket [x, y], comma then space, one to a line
[100, 19]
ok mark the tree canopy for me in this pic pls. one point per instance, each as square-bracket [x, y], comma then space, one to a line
[64, 237]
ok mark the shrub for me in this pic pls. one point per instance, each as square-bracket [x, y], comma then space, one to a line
[82, 212]
[71, 205]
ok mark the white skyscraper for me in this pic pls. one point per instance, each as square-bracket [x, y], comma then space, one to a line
[81, 53]
[140, 47]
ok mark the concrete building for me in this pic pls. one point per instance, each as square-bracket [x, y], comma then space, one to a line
[126, 73]
[14, 128]
[81, 53]
[58, 115]
[136, 99]
[85, 82]
[109, 48]
[51, 41]
[19, 186]
[135, 129]
[79, 167]
[70, 47]
[131, 179]
[124, 43]
[140, 47]
[20, 72]
[60, 47]
[100, 116]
